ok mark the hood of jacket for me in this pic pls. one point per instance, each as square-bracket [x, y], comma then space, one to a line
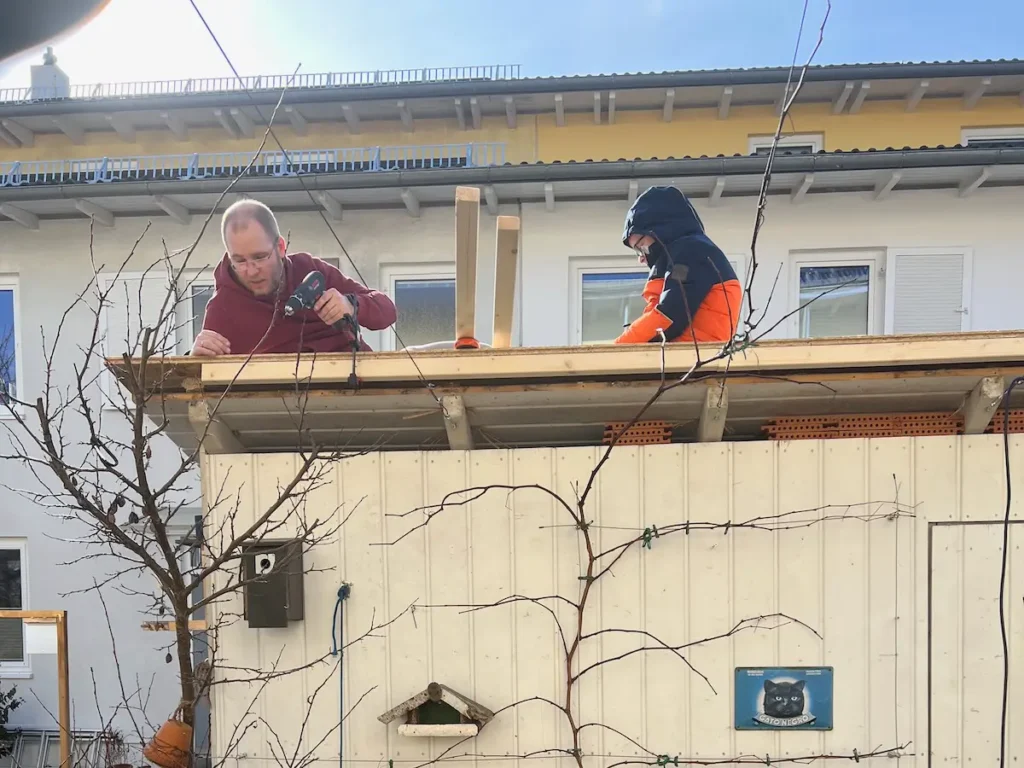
[665, 214]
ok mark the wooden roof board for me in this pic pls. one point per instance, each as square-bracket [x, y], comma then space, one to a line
[572, 414]
[557, 364]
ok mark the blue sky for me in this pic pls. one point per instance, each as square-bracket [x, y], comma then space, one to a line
[164, 39]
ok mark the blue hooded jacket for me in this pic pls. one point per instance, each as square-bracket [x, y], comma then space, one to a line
[684, 263]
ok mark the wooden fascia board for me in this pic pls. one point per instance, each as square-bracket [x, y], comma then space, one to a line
[804, 356]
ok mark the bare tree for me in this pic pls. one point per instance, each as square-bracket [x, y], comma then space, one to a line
[571, 614]
[105, 468]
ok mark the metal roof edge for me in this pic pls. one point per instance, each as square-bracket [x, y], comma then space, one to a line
[526, 85]
[596, 170]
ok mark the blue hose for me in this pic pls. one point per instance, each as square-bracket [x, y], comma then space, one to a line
[338, 649]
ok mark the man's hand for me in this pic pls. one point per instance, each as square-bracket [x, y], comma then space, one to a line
[210, 344]
[333, 306]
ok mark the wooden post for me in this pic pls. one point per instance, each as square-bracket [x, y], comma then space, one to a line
[60, 619]
[467, 237]
[505, 262]
[63, 690]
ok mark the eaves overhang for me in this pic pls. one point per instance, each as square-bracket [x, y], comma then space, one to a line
[524, 86]
[590, 170]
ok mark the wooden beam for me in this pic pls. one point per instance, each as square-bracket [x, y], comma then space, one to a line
[724, 101]
[467, 240]
[63, 690]
[72, 129]
[456, 423]
[215, 435]
[27, 219]
[559, 110]
[244, 122]
[298, 120]
[510, 112]
[644, 360]
[611, 107]
[176, 125]
[194, 625]
[60, 618]
[20, 132]
[505, 269]
[981, 403]
[844, 95]
[123, 126]
[713, 414]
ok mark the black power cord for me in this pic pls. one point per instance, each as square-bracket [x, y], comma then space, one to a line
[1002, 574]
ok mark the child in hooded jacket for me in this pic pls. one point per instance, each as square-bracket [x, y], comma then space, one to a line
[692, 292]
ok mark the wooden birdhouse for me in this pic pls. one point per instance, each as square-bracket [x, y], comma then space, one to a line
[439, 711]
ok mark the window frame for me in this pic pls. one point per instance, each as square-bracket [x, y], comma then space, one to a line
[995, 132]
[10, 669]
[874, 259]
[593, 265]
[390, 274]
[13, 284]
[815, 140]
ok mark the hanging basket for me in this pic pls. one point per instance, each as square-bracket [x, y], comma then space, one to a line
[171, 745]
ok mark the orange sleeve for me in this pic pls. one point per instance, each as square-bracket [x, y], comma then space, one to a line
[646, 327]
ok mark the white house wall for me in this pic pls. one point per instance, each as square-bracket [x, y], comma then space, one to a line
[50, 266]
[887, 608]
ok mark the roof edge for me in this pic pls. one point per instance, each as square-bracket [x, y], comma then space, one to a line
[528, 85]
[596, 170]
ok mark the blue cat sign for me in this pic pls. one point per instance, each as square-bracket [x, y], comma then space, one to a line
[783, 698]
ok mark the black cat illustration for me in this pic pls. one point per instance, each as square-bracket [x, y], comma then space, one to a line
[783, 700]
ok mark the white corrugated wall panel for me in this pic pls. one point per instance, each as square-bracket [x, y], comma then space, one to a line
[856, 594]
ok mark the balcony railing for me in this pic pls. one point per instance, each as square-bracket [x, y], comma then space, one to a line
[213, 165]
[254, 83]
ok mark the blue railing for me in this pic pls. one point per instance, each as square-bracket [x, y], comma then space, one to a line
[212, 165]
[144, 88]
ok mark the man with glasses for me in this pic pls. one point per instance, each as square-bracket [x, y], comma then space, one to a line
[254, 280]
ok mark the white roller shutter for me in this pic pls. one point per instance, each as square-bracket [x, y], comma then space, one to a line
[927, 290]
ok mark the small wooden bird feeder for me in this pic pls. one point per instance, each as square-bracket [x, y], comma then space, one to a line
[439, 711]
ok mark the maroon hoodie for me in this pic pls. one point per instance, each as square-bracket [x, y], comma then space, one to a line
[244, 319]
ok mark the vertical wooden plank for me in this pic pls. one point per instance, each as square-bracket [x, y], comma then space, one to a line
[505, 262]
[467, 238]
[448, 575]
[708, 569]
[63, 690]
[573, 468]
[799, 574]
[364, 496]
[753, 485]
[279, 648]
[540, 668]
[891, 598]
[665, 598]
[844, 577]
[620, 602]
[411, 654]
[492, 555]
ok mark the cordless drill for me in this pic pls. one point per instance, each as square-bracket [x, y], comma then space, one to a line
[308, 294]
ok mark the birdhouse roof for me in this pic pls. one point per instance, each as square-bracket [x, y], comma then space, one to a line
[438, 692]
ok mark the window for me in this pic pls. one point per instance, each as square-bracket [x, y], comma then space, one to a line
[994, 138]
[795, 144]
[607, 295]
[835, 295]
[424, 296]
[14, 661]
[9, 347]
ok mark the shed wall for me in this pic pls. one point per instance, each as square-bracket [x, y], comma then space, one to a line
[882, 600]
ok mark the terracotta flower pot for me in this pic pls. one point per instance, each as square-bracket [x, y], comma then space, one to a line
[171, 745]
